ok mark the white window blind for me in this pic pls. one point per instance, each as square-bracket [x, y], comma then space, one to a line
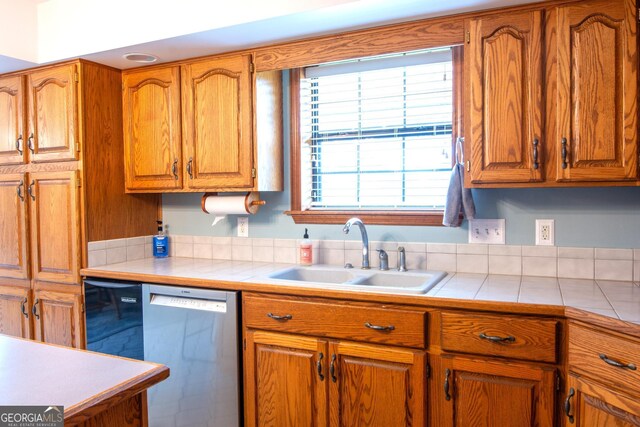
[376, 133]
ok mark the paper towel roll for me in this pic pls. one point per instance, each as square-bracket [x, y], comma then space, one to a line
[221, 206]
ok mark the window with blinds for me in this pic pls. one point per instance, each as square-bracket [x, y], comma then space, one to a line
[377, 133]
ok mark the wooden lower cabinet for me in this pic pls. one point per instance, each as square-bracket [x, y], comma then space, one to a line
[589, 404]
[491, 393]
[293, 380]
[57, 317]
[15, 302]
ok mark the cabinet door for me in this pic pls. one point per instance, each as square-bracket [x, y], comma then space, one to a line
[152, 142]
[492, 394]
[217, 123]
[11, 120]
[376, 386]
[55, 232]
[57, 317]
[285, 380]
[597, 91]
[15, 303]
[53, 111]
[592, 405]
[13, 227]
[504, 68]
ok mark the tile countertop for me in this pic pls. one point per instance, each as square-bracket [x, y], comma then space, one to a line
[539, 295]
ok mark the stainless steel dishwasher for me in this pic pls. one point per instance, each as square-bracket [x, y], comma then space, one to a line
[195, 333]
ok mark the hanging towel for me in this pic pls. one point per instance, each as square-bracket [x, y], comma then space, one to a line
[458, 198]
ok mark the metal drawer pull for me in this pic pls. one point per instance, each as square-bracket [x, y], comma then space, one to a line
[379, 328]
[447, 396]
[189, 167]
[617, 364]
[332, 368]
[174, 169]
[276, 317]
[319, 365]
[563, 152]
[19, 190]
[567, 405]
[24, 311]
[34, 310]
[30, 190]
[497, 339]
[19, 144]
[30, 144]
[536, 165]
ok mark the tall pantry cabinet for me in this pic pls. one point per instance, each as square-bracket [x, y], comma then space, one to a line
[61, 186]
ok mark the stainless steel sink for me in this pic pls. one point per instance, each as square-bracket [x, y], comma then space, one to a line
[414, 282]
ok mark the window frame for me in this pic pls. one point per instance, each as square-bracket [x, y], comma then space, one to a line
[376, 217]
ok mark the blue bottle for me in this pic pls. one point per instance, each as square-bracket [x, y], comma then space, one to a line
[160, 243]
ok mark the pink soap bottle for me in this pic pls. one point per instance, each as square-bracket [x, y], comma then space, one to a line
[306, 250]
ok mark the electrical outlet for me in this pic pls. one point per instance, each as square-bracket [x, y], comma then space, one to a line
[545, 232]
[487, 231]
[243, 226]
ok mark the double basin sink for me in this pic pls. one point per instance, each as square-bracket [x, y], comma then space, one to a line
[412, 282]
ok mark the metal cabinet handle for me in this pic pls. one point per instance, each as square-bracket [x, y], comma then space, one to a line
[24, 308]
[30, 143]
[190, 167]
[536, 165]
[34, 310]
[19, 190]
[567, 405]
[174, 169]
[276, 317]
[379, 328]
[617, 364]
[563, 153]
[332, 368]
[30, 190]
[19, 144]
[497, 339]
[319, 366]
[447, 373]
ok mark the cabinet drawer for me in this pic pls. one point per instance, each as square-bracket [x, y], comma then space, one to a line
[404, 327]
[588, 348]
[522, 338]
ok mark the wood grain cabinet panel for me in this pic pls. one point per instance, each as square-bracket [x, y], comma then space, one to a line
[376, 386]
[55, 226]
[217, 123]
[597, 91]
[589, 404]
[286, 380]
[12, 140]
[14, 260]
[53, 114]
[506, 336]
[490, 393]
[57, 317]
[15, 304]
[152, 129]
[503, 63]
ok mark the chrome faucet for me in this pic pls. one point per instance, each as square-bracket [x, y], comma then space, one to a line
[365, 239]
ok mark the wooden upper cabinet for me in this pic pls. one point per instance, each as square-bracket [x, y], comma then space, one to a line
[217, 123]
[13, 226]
[596, 91]
[12, 141]
[503, 67]
[55, 226]
[53, 114]
[57, 317]
[376, 386]
[286, 380]
[14, 311]
[151, 110]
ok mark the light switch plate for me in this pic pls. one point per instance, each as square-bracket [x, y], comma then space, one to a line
[489, 231]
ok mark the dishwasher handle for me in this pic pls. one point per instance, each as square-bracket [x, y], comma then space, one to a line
[111, 285]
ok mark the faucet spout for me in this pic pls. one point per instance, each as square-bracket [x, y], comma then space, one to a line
[365, 239]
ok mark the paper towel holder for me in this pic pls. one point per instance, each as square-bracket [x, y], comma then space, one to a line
[252, 202]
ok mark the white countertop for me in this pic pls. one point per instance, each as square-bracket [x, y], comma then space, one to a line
[618, 300]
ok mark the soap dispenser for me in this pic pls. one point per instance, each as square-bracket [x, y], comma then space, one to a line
[160, 243]
[306, 249]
